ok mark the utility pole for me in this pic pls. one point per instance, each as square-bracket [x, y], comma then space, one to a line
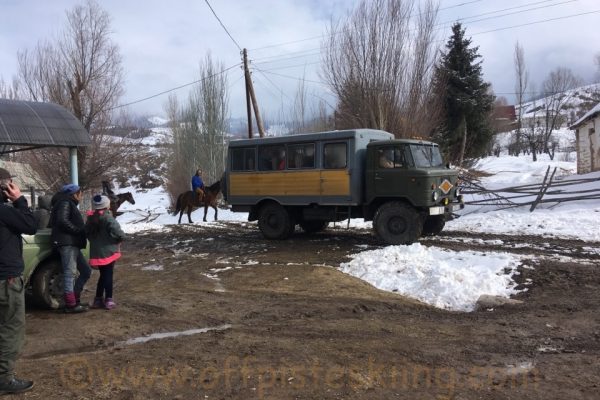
[250, 94]
[247, 79]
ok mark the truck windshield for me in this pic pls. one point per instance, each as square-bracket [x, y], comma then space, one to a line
[426, 155]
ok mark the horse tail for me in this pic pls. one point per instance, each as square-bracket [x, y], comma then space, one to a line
[178, 204]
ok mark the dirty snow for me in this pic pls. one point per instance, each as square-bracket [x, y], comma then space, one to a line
[442, 278]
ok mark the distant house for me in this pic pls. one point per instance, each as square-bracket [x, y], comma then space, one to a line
[587, 137]
[504, 118]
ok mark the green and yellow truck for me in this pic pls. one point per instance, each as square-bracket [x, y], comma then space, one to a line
[312, 179]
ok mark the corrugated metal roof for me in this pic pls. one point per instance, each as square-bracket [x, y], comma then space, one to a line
[27, 123]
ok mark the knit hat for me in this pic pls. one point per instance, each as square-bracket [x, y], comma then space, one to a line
[100, 202]
[4, 174]
[70, 188]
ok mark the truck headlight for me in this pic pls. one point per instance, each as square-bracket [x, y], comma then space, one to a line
[457, 192]
[435, 195]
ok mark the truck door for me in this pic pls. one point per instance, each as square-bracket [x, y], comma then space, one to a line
[388, 171]
[335, 176]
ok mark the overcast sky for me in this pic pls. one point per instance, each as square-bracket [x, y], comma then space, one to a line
[162, 42]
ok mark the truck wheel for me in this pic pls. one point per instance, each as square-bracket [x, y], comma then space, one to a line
[47, 285]
[433, 225]
[275, 222]
[397, 223]
[313, 226]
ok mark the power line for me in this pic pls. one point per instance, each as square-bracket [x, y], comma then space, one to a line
[288, 58]
[460, 5]
[325, 83]
[272, 83]
[219, 19]
[173, 89]
[321, 36]
[439, 26]
[291, 66]
[507, 9]
[537, 22]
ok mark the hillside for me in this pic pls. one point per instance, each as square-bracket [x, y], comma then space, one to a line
[579, 101]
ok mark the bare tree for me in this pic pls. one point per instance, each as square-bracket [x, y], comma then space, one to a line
[11, 91]
[80, 70]
[379, 62]
[199, 129]
[309, 112]
[522, 81]
[557, 90]
[532, 131]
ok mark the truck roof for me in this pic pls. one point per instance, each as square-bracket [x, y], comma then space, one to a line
[372, 134]
[400, 141]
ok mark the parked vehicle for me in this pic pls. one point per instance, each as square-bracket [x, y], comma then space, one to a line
[43, 272]
[313, 179]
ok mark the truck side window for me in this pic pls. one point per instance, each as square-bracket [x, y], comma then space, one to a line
[335, 156]
[271, 158]
[243, 159]
[301, 156]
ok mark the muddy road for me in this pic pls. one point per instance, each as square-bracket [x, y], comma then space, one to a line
[252, 319]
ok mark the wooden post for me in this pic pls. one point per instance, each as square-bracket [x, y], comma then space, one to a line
[250, 92]
[247, 79]
[543, 189]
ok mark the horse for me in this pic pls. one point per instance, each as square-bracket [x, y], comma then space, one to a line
[116, 199]
[187, 201]
[120, 199]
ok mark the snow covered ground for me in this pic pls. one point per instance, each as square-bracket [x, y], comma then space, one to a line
[448, 279]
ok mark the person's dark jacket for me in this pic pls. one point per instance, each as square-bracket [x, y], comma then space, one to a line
[14, 221]
[68, 228]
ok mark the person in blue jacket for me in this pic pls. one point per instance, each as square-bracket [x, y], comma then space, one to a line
[198, 185]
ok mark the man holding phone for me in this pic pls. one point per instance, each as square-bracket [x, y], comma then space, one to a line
[15, 219]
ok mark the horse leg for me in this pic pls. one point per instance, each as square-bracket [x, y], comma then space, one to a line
[189, 213]
[205, 211]
[180, 214]
[216, 211]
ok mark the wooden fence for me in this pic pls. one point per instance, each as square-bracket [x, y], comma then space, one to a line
[550, 190]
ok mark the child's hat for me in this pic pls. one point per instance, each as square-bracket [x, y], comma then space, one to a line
[100, 202]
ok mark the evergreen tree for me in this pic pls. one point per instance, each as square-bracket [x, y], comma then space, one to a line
[465, 131]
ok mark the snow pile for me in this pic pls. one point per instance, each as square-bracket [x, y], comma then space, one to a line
[442, 278]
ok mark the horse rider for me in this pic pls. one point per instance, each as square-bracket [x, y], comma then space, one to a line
[198, 185]
[107, 191]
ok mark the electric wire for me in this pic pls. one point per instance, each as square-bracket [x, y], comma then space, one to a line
[220, 22]
[173, 89]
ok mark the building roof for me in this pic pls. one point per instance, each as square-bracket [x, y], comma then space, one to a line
[589, 115]
[27, 123]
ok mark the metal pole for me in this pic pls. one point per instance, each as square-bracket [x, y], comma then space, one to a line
[73, 165]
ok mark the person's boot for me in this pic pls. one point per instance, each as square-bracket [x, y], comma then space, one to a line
[14, 386]
[109, 304]
[98, 303]
[71, 306]
[78, 300]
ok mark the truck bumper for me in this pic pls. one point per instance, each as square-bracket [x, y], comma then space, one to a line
[450, 208]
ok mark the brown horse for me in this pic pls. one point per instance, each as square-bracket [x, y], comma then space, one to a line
[187, 201]
[120, 199]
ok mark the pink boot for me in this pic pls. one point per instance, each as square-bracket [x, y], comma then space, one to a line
[109, 304]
